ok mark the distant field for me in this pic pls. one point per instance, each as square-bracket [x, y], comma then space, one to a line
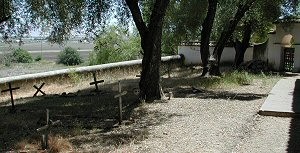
[47, 50]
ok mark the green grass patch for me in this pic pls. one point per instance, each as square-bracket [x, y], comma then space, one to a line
[228, 80]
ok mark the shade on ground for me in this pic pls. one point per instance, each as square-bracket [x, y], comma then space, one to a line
[284, 98]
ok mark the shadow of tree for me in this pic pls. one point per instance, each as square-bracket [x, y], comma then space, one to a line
[135, 131]
[81, 113]
[186, 88]
[191, 92]
[78, 112]
[294, 131]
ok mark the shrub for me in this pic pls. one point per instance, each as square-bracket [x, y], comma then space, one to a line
[21, 56]
[38, 58]
[115, 45]
[6, 59]
[69, 56]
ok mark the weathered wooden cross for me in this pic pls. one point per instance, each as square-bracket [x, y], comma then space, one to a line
[96, 82]
[136, 91]
[120, 101]
[170, 95]
[38, 89]
[46, 129]
[10, 89]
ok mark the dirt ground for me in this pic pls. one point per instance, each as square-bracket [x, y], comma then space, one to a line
[196, 119]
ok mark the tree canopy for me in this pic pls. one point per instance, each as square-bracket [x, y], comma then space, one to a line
[184, 21]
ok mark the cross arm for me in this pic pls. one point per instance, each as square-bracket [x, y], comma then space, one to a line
[120, 94]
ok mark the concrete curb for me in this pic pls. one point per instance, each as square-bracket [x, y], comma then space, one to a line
[83, 69]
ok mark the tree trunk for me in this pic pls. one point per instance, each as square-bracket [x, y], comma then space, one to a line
[225, 35]
[241, 47]
[4, 19]
[205, 34]
[4, 11]
[151, 35]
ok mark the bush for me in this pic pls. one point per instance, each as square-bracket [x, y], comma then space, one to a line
[38, 58]
[69, 56]
[21, 56]
[115, 45]
[6, 59]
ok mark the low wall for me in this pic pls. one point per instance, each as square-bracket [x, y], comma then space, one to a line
[165, 60]
[192, 54]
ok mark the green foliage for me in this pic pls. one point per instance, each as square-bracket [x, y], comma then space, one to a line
[239, 78]
[75, 78]
[38, 58]
[7, 59]
[69, 56]
[115, 45]
[21, 56]
[181, 26]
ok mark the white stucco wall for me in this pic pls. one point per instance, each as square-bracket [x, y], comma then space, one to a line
[193, 57]
[275, 48]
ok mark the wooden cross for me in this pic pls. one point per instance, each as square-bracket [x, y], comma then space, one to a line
[10, 89]
[47, 129]
[39, 89]
[120, 102]
[96, 82]
[170, 95]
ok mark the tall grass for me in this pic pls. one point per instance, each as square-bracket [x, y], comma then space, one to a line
[233, 79]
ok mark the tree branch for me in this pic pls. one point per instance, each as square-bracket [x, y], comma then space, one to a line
[159, 11]
[137, 17]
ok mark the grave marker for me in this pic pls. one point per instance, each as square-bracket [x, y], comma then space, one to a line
[39, 89]
[96, 82]
[170, 95]
[47, 129]
[10, 89]
[136, 91]
[120, 101]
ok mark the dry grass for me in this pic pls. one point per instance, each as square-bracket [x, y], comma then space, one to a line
[59, 144]
[56, 144]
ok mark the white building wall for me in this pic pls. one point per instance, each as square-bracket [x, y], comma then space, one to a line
[193, 57]
[275, 48]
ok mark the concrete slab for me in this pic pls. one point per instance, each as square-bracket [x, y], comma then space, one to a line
[284, 98]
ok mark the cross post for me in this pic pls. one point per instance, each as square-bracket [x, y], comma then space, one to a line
[39, 89]
[10, 89]
[120, 101]
[46, 129]
[170, 95]
[96, 82]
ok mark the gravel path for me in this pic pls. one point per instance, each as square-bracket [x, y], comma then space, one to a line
[201, 125]
[218, 126]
